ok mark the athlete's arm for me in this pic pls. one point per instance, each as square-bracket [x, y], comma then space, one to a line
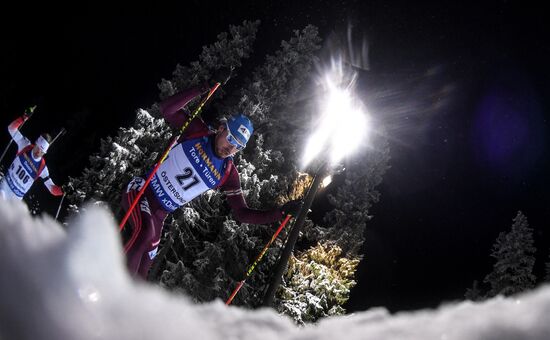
[171, 106]
[54, 189]
[237, 203]
[13, 129]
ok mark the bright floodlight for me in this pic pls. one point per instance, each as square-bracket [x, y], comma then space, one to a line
[342, 127]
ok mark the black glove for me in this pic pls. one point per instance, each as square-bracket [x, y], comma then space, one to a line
[28, 112]
[292, 207]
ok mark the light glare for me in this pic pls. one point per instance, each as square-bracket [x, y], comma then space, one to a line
[342, 126]
[348, 136]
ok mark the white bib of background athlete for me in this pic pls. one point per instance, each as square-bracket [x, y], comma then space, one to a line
[21, 174]
[190, 169]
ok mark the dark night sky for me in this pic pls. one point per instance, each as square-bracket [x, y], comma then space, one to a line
[461, 167]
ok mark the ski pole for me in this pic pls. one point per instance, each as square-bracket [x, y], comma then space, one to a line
[31, 110]
[6, 150]
[157, 166]
[257, 260]
[59, 134]
[59, 208]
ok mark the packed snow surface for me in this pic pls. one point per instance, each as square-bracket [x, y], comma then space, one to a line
[71, 283]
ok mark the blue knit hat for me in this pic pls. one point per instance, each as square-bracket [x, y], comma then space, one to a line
[240, 127]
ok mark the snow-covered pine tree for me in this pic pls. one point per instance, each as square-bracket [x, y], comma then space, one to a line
[474, 293]
[216, 251]
[285, 134]
[514, 254]
[205, 252]
[344, 228]
[120, 158]
[137, 148]
[318, 283]
[346, 222]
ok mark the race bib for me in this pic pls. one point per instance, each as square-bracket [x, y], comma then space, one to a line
[190, 169]
[21, 174]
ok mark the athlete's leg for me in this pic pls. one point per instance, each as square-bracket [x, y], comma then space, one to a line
[148, 257]
[136, 252]
[5, 190]
[146, 263]
[136, 258]
[142, 224]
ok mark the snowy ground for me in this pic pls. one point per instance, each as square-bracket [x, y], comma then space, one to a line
[58, 284]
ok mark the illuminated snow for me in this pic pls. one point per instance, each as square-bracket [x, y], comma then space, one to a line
[71, 284]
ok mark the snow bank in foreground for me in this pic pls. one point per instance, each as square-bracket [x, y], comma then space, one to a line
[73, 285]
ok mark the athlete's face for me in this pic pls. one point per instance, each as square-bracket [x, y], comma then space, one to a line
[37, 152]
[222, 147]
